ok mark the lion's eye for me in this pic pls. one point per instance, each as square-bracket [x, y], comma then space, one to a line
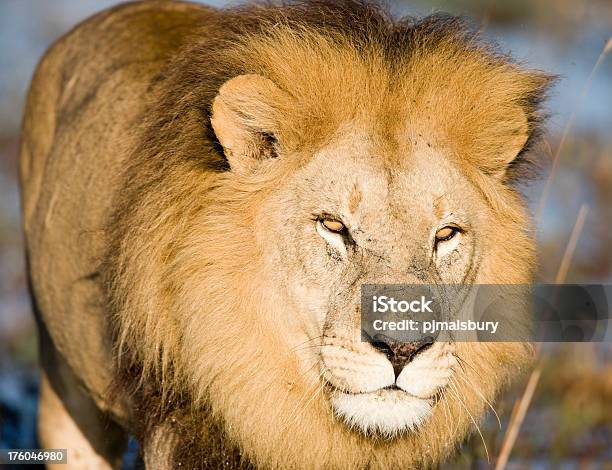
[446, 233]
[334, 233]
[333, 225]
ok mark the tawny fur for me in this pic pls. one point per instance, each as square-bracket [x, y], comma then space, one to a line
[193, 318]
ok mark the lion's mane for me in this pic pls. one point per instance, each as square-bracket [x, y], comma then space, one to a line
[188, 321]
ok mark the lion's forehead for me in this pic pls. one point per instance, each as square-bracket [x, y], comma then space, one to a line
[362, 170]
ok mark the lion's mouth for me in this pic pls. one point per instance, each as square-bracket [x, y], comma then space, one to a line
[333, 389]
[369, 396]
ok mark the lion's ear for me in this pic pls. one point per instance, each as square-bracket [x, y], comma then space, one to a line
[245, 120]
[505, 138]
[490, 123]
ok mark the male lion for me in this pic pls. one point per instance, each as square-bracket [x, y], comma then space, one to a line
[204, 193]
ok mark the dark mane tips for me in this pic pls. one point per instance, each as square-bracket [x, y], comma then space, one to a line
[226, 45]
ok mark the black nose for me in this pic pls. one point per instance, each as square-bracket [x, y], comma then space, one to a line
[399, 353]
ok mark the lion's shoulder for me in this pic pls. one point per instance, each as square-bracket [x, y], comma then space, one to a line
[125, 45]
[86, 97]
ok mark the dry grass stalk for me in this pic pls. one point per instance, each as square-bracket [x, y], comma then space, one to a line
[522, 404]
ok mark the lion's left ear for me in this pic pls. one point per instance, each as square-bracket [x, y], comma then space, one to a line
[490, 123]
[245, 116]
[505, 138]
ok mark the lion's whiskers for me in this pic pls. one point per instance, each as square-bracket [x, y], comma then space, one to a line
[464, 361]
[302, 405]
[447, 415]
[476, 389]
[298, 346]
[455, 390]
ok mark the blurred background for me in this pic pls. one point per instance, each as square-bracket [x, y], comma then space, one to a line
[569, 422]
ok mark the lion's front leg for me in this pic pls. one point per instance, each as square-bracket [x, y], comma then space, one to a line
[69, 419]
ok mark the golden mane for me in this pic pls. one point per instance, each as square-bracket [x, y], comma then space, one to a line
[325, 52]
[340, 61]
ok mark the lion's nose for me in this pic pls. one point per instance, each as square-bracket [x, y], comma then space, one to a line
[399, 353]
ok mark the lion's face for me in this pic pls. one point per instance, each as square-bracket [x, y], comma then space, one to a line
[364, 211]
[381, 199]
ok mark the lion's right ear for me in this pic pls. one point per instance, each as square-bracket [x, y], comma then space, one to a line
[245, 118]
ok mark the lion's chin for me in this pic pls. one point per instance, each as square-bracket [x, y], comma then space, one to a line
[387, 412]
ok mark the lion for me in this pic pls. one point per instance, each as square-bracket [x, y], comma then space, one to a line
[204, 192]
